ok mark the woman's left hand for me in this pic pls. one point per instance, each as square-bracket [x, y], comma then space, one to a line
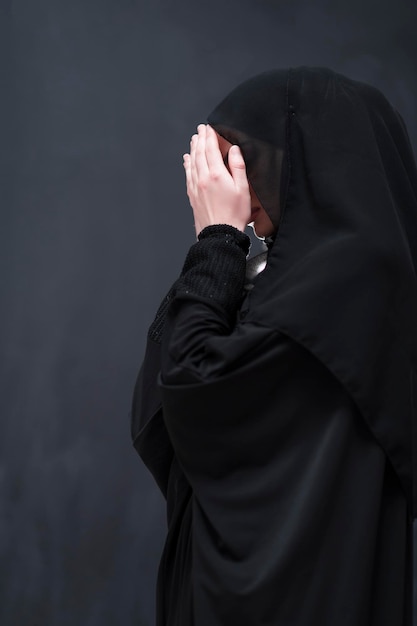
[216, 195]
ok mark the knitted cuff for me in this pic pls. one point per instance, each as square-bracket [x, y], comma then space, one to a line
[228, 234]
[215, 266]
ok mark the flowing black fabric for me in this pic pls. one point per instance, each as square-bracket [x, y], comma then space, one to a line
[341, 277]
[281, 423]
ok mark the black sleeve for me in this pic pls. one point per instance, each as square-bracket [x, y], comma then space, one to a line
[204, 310]
[215, 368]
[223, 283]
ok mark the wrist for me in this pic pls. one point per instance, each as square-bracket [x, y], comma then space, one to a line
[228, 233]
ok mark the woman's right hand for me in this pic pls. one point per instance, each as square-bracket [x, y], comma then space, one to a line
[216, 195]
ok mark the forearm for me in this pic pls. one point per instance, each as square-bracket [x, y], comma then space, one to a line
[205, 303]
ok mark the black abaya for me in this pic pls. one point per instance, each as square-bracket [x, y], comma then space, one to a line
[281, 425]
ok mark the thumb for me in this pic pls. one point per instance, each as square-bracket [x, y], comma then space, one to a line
[237, 165]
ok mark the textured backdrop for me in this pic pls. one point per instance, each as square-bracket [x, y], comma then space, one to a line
[99, 99]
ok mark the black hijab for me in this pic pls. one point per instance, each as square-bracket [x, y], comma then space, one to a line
[332, 164]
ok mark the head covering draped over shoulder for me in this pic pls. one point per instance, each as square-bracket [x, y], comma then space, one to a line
[332, 164]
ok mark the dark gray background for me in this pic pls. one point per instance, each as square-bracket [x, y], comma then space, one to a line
[99, 99]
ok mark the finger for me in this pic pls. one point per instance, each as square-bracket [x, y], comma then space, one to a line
[187, 168]
[214, 156]
[200, 153]
[237, 167]
[193, 170]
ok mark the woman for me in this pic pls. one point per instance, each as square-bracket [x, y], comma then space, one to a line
[277, 412]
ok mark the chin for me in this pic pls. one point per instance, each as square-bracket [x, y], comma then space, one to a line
[261, 232]
[258, 235]
[262, 225]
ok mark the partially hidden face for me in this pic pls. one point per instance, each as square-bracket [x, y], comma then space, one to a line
[260, 221]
